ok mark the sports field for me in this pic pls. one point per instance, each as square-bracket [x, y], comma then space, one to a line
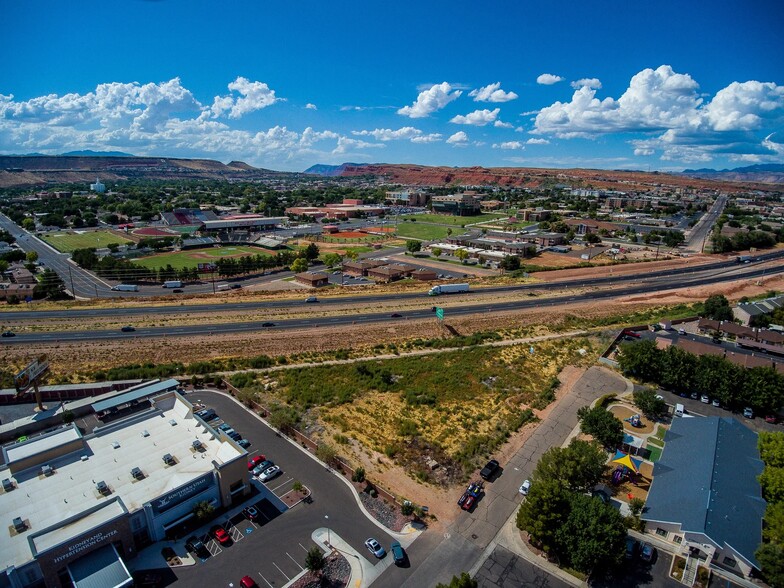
[424, 231]
[193, 257]
[448, 219]
[67, 241]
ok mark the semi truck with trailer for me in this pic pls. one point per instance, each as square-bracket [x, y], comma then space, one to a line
[172, 284]
[448, 289]
[126, 288]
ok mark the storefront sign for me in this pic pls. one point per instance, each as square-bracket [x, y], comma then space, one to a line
[85, 544]
[172, 499]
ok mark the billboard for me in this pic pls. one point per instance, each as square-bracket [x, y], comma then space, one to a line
[205, 267]
[35, 369]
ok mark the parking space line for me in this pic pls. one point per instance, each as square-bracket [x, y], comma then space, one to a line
[281, 571]
[305, 549]
[236, 534]
[281, 485]
[295, 561]
[265, 579]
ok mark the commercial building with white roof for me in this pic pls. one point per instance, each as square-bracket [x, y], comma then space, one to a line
[66, 495]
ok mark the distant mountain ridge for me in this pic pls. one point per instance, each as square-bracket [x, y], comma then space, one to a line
[31, 170]
[322, 169]
[766, 173]
[91, 153]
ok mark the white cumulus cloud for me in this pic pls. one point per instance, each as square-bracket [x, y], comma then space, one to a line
[509, 145]
[345, 145]
[477, 118]
[537, 142]
[459, 139]
[503, 125]
[430, 100]
[252, 96]
[547, 79]
[311, 106]
[492, 93]
[587, 83]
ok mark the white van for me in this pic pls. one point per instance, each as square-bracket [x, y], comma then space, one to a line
[678, 410]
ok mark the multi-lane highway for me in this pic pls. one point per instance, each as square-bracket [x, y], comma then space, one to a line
[699, 234]
[655, 284]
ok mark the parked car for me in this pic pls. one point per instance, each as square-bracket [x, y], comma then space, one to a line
[704, 399]
[490, 469]
[681, 331]
[647, 552]
[771, 418]
[631, 548]
[224, 427]
[748, 413]
[247, 582]
[630, 333]
[254, 461]
[525, 487]
[220, 535]
[264, 465]
[269, 473]
[251, 513]
[194, 545]
[694, 396]
[244, 443]
[235, 435]
[716, 403]
[375, 548]
[397, 553]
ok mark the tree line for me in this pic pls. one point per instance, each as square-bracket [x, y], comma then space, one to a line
[761, 388]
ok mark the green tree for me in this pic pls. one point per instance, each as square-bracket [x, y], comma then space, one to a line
[314, 560]
[51, 286]
[771, 558]
[592, 238]
[413, 246]
[543, 512]
[461, 581]
[773, 531]
[332, 259]
[461, 254]
[593, 535]
[510, 263]
[577, 467]
[772, 481]
[203, 511]
[641, 359]
[31, 256]
[299, 265]
[717, 307]
[326, 453]
[436, 251]
[28, 224]
[283, 418]
[602, 425]
[648, 403]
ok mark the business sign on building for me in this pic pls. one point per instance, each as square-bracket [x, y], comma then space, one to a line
[205, 268]
[85, 544]
[35, 369]
[172, 499]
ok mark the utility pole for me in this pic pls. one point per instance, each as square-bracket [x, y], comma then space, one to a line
[70, 275]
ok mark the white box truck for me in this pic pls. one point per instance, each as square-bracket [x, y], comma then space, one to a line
[172, 284]
[126, 288]
[448, 289]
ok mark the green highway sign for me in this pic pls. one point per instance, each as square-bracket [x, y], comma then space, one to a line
[439, 313]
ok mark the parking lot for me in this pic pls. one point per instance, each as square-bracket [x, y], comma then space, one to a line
[272, 549]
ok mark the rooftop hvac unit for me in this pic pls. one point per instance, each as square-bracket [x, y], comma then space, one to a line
[102, 487]
[197, 444]
[172, 422]
[19, 525]
[47, 470]
[116, 444]
[8, 485]
[136, 473]
[168, 459]
[145, 433]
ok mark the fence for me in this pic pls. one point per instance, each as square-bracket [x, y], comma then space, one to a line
[343, 466]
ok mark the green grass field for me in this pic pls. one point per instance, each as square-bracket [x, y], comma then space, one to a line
[424, 231]
[69, 241]
[193, 257]
[444, 219]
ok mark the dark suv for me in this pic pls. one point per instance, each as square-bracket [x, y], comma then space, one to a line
[490, 469]
[195, 545]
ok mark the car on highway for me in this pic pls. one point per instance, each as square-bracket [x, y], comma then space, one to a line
[235, 286]
[9, 334]
[267, 324]
[395, 315]
[128, 329]
[525, 487]
[254, 461]
[269, 473]
[251, 513]
[247, 582]
[397, 553]
[490, 469]
[311, 299]
[375, 548]
[220, 535]
[177, 291]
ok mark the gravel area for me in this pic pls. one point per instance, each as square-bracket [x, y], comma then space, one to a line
[387, 514]
[336, 574]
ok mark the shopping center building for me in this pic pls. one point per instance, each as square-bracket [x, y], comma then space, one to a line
[76, 506]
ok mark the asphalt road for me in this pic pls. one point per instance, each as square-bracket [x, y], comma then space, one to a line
[276, 550]
[465, 541]
[700, 232]
[744, 271]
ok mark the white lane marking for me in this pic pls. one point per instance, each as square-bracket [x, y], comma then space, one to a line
[295, 561]
[281, 571]
[265, 580]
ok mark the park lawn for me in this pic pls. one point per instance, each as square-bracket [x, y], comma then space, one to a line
[656, 452]
[422, 231]
[445, 219]
[68, 241]
[193, 257]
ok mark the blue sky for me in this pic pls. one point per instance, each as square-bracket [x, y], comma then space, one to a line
[284, 85]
